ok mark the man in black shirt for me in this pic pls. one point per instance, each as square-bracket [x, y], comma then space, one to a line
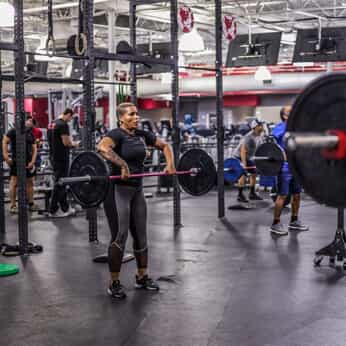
[30, 158]
[60, 143]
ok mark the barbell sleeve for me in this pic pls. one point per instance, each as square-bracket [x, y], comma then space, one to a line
[75, 180]
[245, 168]
[262, 158]
[311, 140]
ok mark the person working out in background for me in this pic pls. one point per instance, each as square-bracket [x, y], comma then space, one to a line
[287, 185]
[188, 130]
[60, 144]
[30, 158]
[38, 140]
[244, 152]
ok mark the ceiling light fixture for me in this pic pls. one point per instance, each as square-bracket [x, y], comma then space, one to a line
[191, 42]
[42, 52]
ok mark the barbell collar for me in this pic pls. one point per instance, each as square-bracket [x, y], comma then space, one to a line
[311, 140]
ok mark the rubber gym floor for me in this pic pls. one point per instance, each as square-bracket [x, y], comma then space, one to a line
[223, 282]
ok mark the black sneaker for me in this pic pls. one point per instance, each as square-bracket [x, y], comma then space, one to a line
[116, 290]
[254, 197]
[147, 283]
[242, 199]
[297, 226]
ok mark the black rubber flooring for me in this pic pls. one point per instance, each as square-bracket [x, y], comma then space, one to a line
[223, 282]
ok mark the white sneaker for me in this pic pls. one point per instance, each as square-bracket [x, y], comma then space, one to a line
[57, 214]
[77, 208]
[278, 229]
[297, 226]
[71, 211]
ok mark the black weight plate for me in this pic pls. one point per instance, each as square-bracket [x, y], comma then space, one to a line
[204, 180]
[270, 167]
[89, 194]
[320, 107]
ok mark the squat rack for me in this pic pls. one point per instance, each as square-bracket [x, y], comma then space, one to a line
[89, 104]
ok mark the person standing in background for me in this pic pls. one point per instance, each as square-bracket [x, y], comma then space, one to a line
[60, 144]
[30, 158]
[287, 185]
[38, 136]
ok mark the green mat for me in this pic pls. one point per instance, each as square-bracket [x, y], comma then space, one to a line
[8, 269]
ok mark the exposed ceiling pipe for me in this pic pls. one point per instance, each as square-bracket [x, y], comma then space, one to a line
[152, 88]
[280, 81]
[316, 16]
[57, 7]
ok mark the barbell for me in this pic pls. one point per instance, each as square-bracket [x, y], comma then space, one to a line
[316, 139]
[268, 160]
[89, 175]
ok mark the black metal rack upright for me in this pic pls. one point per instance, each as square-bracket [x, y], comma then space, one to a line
[175, 111]
[133, 43]
[175, 87]
[219, 109]
[2, 185]
[20, 126]
[89, 100]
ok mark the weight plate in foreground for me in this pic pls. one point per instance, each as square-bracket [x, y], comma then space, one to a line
[204, 180]
[270, 167]
[320, 107]
[89, 194]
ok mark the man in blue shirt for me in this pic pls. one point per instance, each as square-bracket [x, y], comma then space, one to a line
[286, 185]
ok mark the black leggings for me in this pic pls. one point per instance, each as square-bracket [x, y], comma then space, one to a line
[126, 209]
[59, 195]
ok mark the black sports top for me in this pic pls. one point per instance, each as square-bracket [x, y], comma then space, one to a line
[132, 148]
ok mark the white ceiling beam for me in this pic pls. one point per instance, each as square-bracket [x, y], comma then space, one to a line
[58, 6]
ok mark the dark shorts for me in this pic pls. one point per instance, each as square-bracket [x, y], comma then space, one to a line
[249, 163]
[29, 173]
[287, 184]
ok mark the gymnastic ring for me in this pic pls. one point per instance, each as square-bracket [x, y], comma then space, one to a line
[50, 42]
[80, 49]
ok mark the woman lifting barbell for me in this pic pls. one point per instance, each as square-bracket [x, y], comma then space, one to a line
[124, 148]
